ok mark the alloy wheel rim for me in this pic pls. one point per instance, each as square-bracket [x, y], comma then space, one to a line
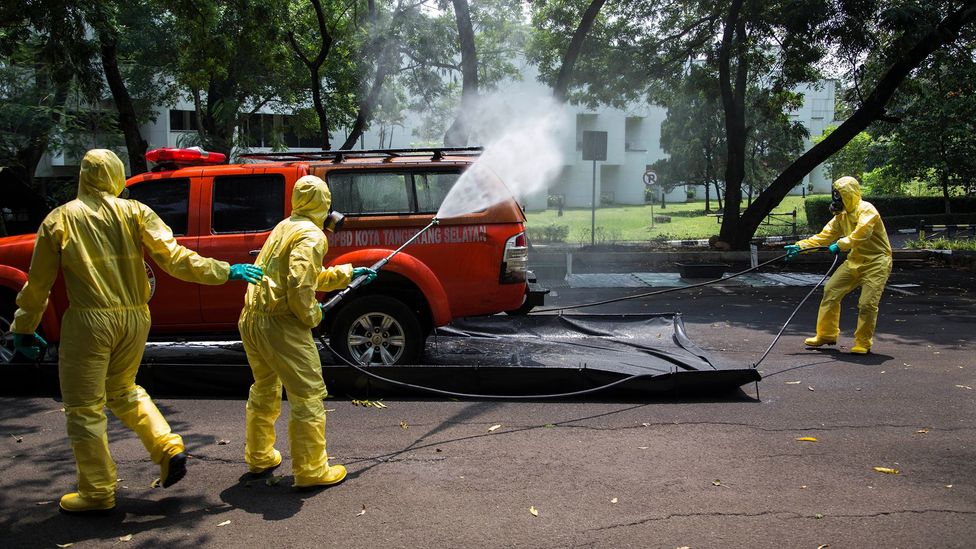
[6, 341]
[376, 338]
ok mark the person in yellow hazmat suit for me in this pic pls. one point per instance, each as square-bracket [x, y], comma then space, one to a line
[857, 230]
[97, 241]
[275, 327]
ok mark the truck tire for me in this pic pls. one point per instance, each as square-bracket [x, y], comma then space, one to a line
[522, 309]
[377, 330]
[7, 308]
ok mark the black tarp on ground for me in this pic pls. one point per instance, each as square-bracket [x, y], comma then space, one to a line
[497, 355]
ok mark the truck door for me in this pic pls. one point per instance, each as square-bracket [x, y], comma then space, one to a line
[243, 210]
[173, 302]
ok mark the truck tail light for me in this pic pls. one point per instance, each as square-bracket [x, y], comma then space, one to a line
[515, 260]
[185, 157]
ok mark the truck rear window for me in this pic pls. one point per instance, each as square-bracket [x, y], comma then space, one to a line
[247, 203]
[389, 192]
[169, 198]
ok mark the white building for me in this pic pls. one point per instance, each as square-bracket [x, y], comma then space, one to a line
[633, 144]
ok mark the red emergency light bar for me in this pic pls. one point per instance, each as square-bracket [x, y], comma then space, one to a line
[185, 157]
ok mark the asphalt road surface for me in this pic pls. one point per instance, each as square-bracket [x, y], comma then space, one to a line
[702, 472]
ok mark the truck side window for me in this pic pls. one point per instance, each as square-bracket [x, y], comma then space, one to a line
[247, 203]
[432, 188]
[169, 198]
[370, 192]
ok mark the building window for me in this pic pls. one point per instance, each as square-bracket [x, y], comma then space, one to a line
[246, 204]
[275, 131]
[169, 198]
[183, 121]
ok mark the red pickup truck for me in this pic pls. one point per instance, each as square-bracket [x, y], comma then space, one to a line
[470, 265]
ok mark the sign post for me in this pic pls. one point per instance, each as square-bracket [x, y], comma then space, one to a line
[650, 178]
[594, 148]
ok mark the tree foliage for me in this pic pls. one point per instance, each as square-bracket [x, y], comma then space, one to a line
[854, 159]
[933, 138]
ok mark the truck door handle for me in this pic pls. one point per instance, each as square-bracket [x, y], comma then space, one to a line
[254, 252]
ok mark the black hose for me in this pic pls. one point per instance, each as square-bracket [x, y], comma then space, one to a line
[669, 290]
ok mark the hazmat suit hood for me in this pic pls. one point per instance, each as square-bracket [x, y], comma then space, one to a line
[850, 192]
[311, 198]
[101, 173]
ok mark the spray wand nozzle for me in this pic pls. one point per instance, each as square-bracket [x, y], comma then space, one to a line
[359, 281]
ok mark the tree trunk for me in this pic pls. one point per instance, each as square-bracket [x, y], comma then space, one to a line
[561, 88]
[944, 183]
[945, 32]
[314, 66]
[457, 134]
[320, 109]
[219, 121]
[135, 145]
[733, 102]
[384, 65]
[708, 198]
[28, 157]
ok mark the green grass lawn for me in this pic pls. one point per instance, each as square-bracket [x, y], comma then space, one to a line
[633, 223]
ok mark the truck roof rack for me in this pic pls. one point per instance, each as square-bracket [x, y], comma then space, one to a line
[435, 153]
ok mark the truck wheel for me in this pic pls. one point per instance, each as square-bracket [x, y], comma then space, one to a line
[522, 309]
[6, 337]
[377, 330]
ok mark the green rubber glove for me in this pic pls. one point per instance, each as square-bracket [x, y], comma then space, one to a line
[370, 274]
[29, 345]
[834, 248]
[792, 250]
[246, 271]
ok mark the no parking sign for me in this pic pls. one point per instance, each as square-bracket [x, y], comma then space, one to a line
[650, 178]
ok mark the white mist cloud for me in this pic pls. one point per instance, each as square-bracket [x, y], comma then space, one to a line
[521, 134]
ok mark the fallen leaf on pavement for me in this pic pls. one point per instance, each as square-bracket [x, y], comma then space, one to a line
[225, 523]
[403, 425]
[494, 427]
[534, 511]
[923, 430]
[614, 500]
[363, 512]
[960, 386]
[824, 546]
[809, 387]
[886, 470]
[807, 439]
[792, 382]
[716, 482]
[222, 442]
[127, 537]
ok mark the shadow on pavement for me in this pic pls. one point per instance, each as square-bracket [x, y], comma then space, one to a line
[132, 517]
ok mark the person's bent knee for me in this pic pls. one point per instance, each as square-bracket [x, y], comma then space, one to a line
[306, 409]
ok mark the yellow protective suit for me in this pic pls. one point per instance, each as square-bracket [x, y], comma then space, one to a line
[275, 326]
[858, 231]
[98, 240]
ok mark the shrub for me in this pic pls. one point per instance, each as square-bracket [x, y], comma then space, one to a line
[549, 233]
[900, 212]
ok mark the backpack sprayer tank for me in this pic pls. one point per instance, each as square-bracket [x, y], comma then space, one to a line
[357, 282]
